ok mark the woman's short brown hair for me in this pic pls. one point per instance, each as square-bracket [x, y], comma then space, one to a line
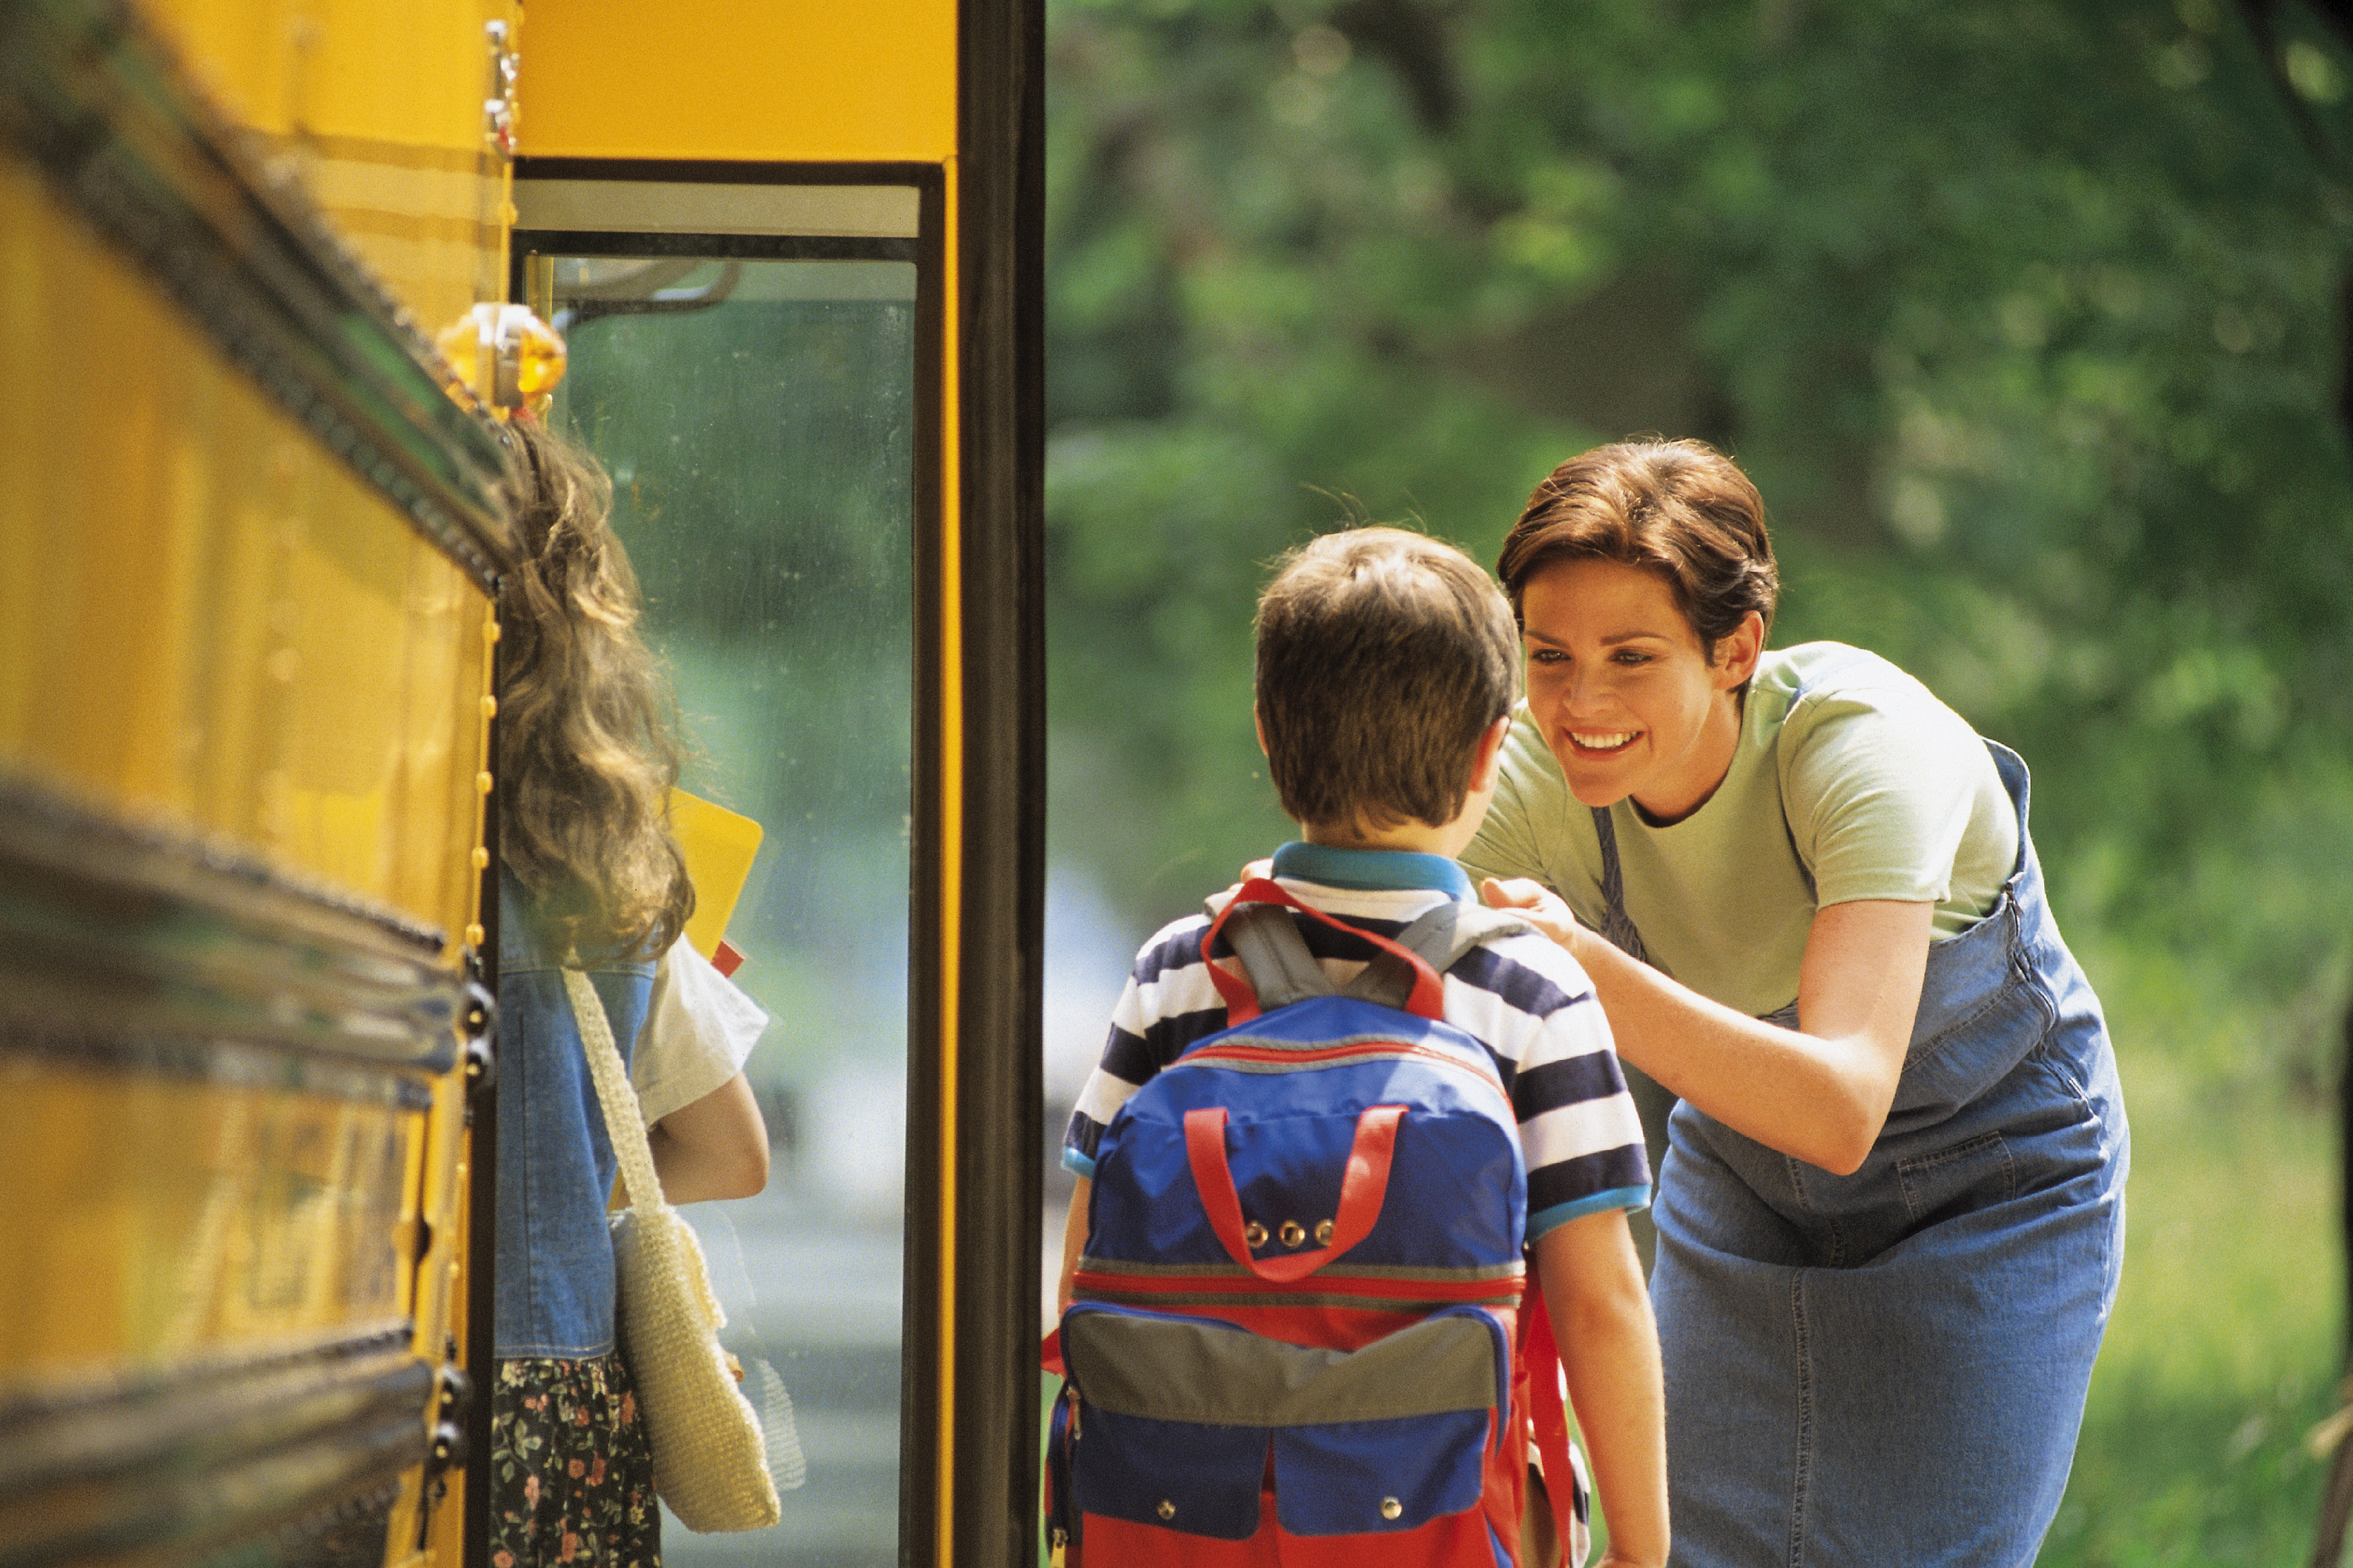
[1680, 509]
[1383, 655]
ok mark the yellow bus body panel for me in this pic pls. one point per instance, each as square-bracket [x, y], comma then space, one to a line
[808, 80]
[251, 1219]
[213, 630]
[377, 110]
[207, 620]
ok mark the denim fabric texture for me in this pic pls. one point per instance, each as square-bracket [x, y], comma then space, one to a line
[555, 1165]
[1889, 1368]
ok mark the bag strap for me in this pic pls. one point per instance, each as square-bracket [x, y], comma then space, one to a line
[1281, 970]
[1426, 999]
[625, 1120]
[1442, 936]
[1364, 1188]
[1547, 1409]
[1275, 956]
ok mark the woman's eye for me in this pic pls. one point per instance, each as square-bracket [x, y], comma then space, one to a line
[1630, 658]
[1546, 655]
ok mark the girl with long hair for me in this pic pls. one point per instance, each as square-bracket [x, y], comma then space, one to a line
[590, 877]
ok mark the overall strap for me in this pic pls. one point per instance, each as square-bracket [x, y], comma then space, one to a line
[1619, 929]
[1615, 925]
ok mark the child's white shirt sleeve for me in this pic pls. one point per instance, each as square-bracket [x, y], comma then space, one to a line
[699, 1030]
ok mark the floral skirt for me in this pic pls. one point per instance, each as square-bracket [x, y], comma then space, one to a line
[572, 1474]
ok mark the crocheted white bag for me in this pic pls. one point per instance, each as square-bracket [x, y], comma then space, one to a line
[710, 1464]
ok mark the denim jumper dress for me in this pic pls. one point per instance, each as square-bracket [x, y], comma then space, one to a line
[552, 1282]
[1887, 1369]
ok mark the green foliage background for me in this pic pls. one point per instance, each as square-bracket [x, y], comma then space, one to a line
[2025, 316]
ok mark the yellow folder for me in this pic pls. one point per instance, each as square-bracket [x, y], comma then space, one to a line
[719, 845]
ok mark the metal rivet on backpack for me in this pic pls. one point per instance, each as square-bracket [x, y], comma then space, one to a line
[1323, 1233]
[1293, 1232]
[1166, 1510]
[1254, 1236]
[1390, 1508]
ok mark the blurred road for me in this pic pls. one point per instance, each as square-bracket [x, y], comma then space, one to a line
[819, 1297]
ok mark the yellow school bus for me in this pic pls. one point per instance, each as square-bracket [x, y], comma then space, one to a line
[253, 259]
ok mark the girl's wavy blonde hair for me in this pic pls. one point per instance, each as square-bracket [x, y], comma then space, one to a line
[588, 749]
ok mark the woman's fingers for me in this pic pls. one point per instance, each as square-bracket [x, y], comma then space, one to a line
[1515, 893]
[1542, 906]
[1257, 869]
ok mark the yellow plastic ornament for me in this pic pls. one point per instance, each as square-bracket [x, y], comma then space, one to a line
[506, 356]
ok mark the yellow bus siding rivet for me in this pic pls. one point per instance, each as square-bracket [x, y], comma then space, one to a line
[483, 784]
[473, 936]
[481, 858]
[490, 706]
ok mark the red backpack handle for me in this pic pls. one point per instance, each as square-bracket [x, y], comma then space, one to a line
[1362, 1189]
[1427, 1000]
[1538, 1372]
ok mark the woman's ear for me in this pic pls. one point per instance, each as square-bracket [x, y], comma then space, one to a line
[1737, 651]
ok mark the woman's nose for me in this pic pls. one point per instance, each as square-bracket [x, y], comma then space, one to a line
[1582, 689]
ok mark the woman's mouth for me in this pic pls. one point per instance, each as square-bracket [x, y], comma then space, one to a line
[1602, 741]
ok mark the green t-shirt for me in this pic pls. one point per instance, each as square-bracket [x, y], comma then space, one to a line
[1850, 781]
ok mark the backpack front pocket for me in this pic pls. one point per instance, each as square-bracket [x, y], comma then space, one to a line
[1185, 1418]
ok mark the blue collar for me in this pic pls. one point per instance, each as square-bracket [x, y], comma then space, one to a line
[1371, 870]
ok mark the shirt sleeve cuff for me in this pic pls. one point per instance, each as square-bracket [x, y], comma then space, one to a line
[1078, 1164]
[1631, 1199]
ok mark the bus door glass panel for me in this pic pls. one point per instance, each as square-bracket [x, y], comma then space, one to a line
[758, 419]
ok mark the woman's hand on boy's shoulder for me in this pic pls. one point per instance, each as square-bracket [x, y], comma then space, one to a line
[1539, 905]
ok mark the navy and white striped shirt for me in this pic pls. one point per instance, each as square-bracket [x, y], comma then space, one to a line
[1521, 997]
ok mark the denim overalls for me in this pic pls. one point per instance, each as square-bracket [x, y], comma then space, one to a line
[554, 1279]
[1887, 1369]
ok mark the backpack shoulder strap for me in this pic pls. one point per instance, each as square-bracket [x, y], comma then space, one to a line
[1438, 938]
[1275, 956]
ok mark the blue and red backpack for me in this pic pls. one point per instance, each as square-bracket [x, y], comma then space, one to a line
[1297, 1336]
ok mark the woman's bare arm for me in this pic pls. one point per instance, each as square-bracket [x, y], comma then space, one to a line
[1819, 1092]
[715, 1147]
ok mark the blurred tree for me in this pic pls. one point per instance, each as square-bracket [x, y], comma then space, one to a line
[2022, 313]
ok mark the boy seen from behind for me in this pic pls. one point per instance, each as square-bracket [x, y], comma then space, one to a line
[1387, 666]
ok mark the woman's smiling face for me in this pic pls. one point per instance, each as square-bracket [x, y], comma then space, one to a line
[1626, 697]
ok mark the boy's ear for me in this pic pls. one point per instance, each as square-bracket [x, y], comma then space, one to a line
[1258, 723]
[1487, 758]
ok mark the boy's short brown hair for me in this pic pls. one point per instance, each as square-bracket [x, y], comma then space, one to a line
[1383, 655]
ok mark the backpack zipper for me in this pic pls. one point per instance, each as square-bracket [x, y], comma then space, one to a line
[1240, 1051]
